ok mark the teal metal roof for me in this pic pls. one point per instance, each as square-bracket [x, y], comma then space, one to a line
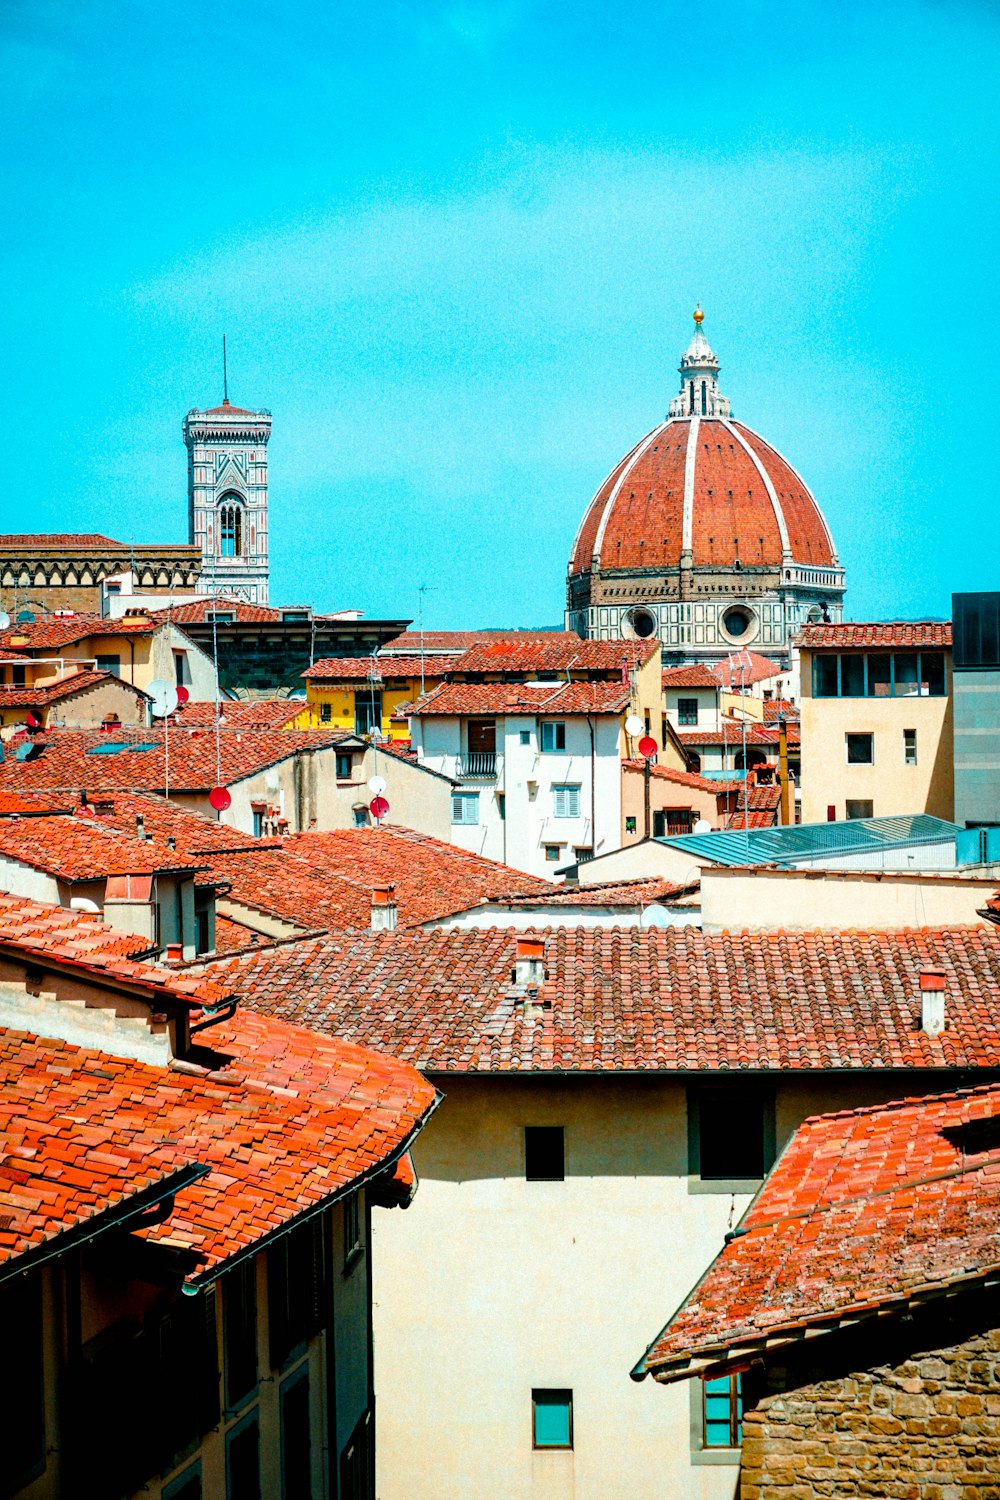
[806, 841]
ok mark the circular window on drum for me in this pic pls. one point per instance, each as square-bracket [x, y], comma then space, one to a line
[639, 624]
[740, 624]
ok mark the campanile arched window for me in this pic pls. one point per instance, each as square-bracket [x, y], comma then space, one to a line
[704, 398]
[230, 527]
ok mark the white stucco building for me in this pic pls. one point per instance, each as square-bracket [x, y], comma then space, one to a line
[537, 767]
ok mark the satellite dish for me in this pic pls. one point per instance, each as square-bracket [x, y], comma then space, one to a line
[164, 696]
[32, 720]
[647, 747]
[376, 785]
[702, 826]
[655, 916]
[378, 807]
[220, 798]
[26, 617]
[634, 725]
[4, 619]
[182, 693]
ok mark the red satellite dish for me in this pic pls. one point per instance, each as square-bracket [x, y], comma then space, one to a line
[647, 747]
[378, 807]
[220, 798]
[182, 693]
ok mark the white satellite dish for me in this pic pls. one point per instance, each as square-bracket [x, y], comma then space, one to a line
[702, 826]
[634, 725]
[655, 916]
[164, 696]
[376, 785]
[4, 619]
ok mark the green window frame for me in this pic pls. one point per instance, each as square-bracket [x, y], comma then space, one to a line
[879, 674]
[551, 1418]
[722, 1412]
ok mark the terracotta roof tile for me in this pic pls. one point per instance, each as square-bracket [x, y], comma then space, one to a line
[695, 676]
[73, 848]
[682, 778]
[460, 698]
[67, 687]
[554, 653]
[455, 640]
[779, 708]
[49, 632]
[674, 999]
[239, 713]
[385, 668]
[863, 1210]
[63, 760]
[849, 636]
[74, 539]
[284, 1120]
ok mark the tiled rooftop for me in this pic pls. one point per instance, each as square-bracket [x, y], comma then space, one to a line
[64, 762]
[673, 999]
[48, 632]
[732, 734]
[623, 893]
[456, 640]
[461, 698]
[745, 668]
[695, 676]
[431, 878]
[865, 1210]
[240, 713]
[53, 692]
[884, 633]
[689, 779]
[198, 611]
[78, 940]
[554, 654]
[386, 668]
[779, 708]
[75, 848]
[282, 1118]
[20, 539]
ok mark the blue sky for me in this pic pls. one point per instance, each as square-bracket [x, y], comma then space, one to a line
[455, 248]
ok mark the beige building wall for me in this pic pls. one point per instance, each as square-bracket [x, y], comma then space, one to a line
[762, 899]
[889, 784]
[662, 794]
[638, 862]
[491, 1285]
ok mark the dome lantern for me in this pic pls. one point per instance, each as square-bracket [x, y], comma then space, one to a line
[699, 371]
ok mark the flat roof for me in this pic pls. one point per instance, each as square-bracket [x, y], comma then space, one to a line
[805, 841]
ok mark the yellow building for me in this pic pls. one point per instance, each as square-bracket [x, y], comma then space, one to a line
[362, 693]
[138, 648]
[876, 702]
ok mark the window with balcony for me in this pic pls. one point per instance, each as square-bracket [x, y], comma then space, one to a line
[480, 758]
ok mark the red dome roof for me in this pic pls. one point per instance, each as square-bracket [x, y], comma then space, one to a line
[729, 496]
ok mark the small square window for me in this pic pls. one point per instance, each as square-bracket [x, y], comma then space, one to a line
[630, 825]
[909, 747]
[582, 852]
[544, 1153]
[860, 808]
[860, 749]
[730, 1132]
[524, 735]
[325, 713]
[106, 664]
[722, 1412]
[553, 736]
[552, 853]
[345, 765]
[551, 1419]
[361, 817]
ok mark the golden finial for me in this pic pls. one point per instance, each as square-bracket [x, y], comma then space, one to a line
[699, 316]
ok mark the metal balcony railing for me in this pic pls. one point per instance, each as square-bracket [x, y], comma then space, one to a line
[477, 765]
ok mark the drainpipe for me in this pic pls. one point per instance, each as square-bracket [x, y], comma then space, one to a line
[646, 778]
[593, 773]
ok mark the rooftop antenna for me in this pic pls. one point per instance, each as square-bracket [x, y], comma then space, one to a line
[422, 590]
[225, 374]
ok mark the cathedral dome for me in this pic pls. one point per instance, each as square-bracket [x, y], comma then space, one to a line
[702, 507]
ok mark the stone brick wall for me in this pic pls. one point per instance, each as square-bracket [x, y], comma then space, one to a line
[909, 1412]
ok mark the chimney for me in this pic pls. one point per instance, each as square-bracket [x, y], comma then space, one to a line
[932, 988]
[140, 826]
[529, 970]
[384, 908]
[175, 952]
